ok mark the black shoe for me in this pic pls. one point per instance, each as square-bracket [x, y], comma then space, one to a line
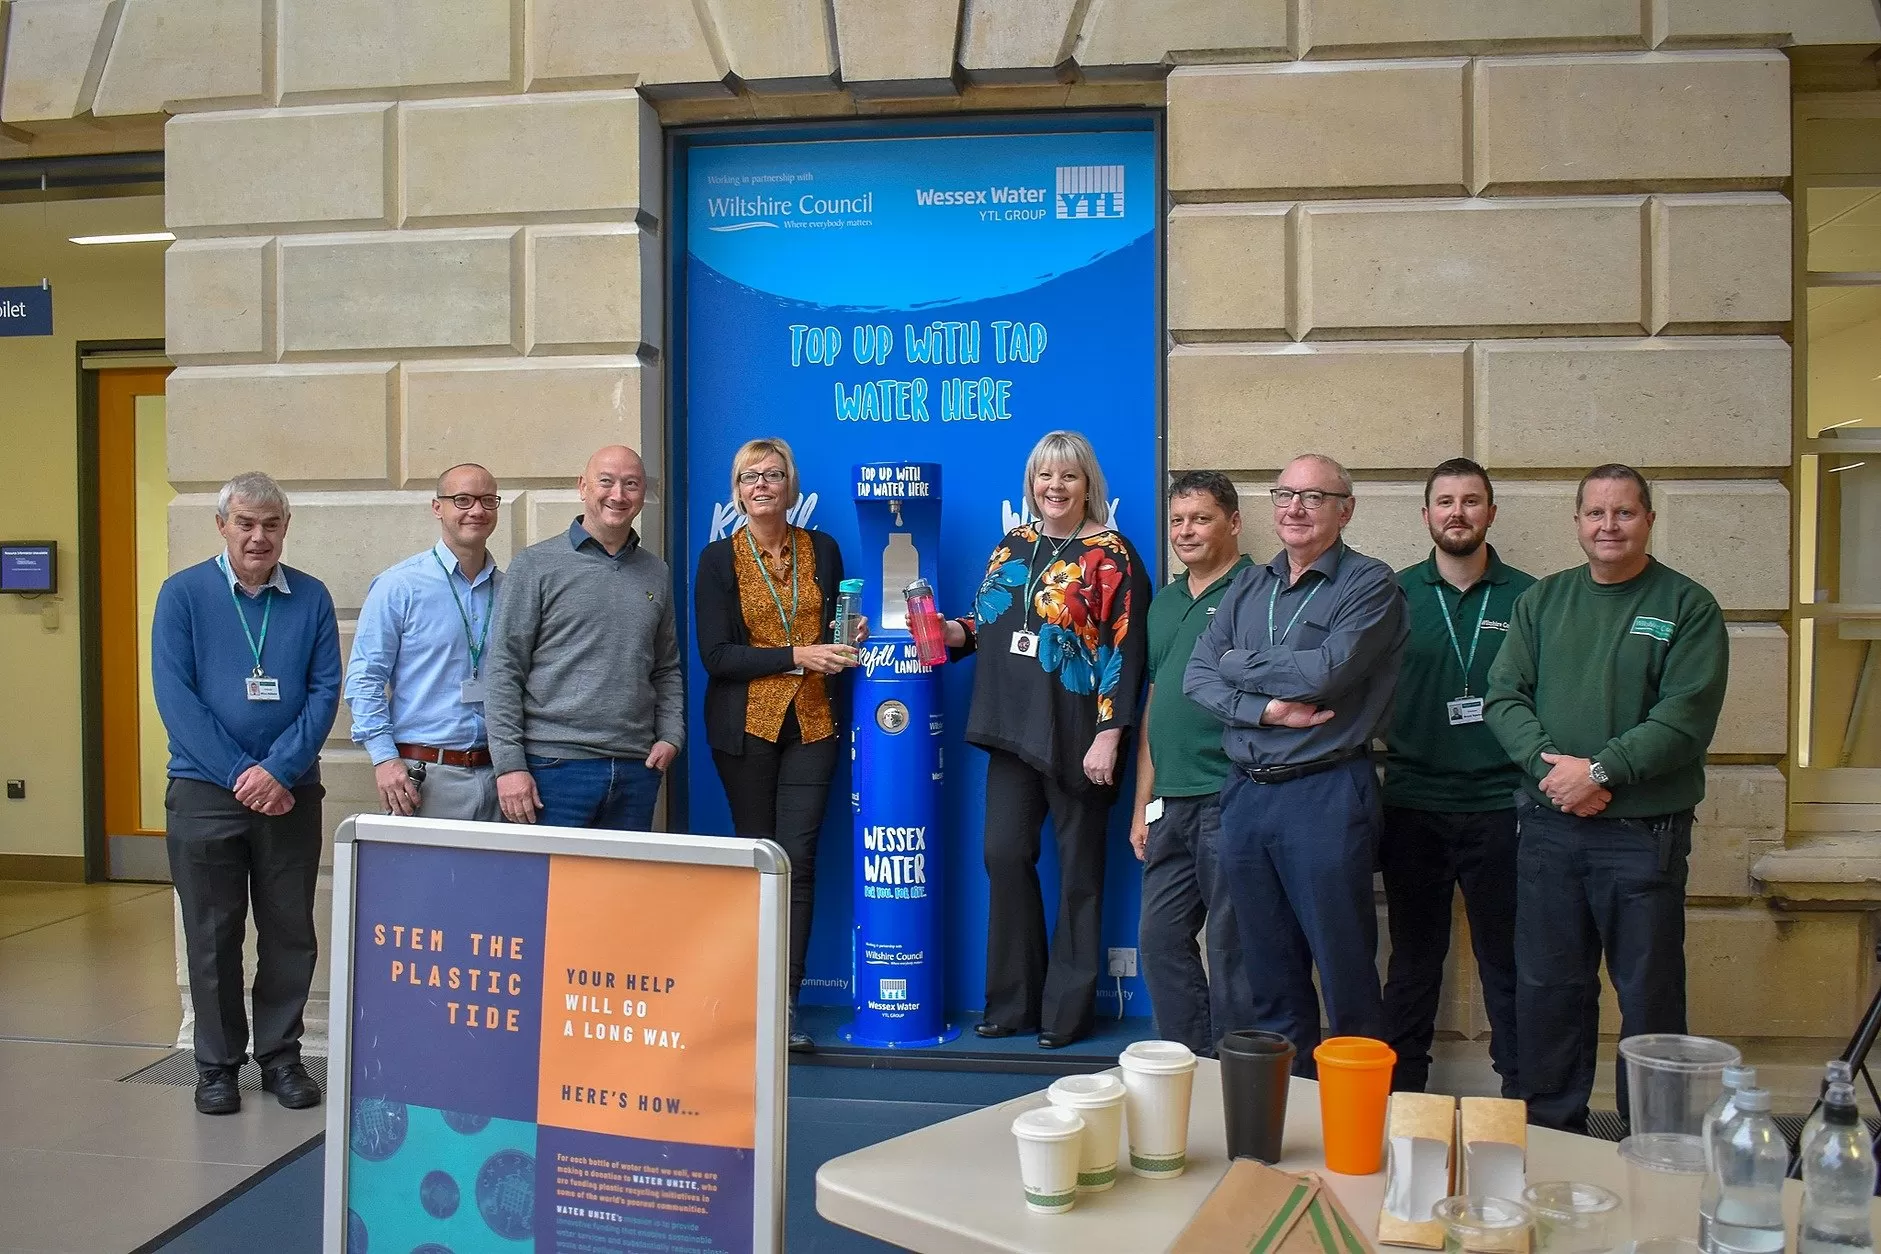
[1058, 1040]
[291, 1086]
[993, 1031]
[216, 1092]
[798, 1041]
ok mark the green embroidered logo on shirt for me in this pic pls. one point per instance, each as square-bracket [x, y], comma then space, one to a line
[1658, 628]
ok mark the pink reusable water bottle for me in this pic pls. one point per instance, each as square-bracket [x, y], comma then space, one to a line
[924, 620]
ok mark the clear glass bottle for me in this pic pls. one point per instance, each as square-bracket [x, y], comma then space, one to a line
[1752, 1161]
[1833, 1073]
[1735, 1078]
[1838, 1181]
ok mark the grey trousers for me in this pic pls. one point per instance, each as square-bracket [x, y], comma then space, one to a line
[459, 792]
[224, 858]
[1184, 893]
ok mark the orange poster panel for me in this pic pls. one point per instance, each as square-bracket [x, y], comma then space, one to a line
[649, 1001]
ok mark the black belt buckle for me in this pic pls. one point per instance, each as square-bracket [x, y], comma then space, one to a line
[1296, 770]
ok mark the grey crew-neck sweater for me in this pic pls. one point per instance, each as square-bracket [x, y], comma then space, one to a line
[584, 655]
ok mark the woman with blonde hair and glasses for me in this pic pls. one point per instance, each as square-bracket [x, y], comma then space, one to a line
[1057, 625]
[763, 601]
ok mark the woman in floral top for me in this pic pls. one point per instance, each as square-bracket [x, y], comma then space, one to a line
[1058, 628]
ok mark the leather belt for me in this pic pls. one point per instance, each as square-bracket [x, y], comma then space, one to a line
[1280, 774]
[445, 757]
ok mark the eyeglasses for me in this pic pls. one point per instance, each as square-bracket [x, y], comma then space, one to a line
[464, 500]
[750, 477]
[1312, 498]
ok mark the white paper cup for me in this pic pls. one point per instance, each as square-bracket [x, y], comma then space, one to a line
[1158, 1081]
[1099, 1100]
[1050, 1139]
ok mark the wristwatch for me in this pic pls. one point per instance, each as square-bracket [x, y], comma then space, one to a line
[1598, 774]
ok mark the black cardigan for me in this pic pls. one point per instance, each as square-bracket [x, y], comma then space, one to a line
[731, 661]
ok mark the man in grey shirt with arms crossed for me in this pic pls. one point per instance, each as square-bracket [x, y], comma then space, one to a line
[1300, 664]
[585, 702]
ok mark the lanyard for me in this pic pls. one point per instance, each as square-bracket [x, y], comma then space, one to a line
[1038, 578]
[790, 623]
[489, 612]
[255, 642]
[1476, 639]
[1273, 597]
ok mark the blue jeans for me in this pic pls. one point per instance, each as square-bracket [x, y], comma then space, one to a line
[612, 793]
[1297, 859]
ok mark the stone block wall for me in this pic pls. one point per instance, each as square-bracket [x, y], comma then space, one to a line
[1542, 232]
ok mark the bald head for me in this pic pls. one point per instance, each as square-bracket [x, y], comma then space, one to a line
[613, 488]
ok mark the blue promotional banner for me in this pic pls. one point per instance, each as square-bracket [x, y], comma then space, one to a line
[942, 293]
[26, 310]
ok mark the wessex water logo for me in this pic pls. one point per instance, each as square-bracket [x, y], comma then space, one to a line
[1090, 191]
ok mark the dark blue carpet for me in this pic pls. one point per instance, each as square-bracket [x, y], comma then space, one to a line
[833, 1110]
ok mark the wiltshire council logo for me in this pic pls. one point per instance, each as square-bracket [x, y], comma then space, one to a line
[1090, 191]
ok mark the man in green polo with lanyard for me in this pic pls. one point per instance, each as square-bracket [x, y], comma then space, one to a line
[1450, 787]
[1180, 767]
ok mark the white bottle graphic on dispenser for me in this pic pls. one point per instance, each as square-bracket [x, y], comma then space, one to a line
[901, 566]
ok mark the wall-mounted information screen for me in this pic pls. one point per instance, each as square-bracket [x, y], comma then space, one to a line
[29, 566]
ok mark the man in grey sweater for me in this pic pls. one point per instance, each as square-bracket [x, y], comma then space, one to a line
[585, 699]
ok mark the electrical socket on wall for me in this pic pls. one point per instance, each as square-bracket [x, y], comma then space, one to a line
[16, 790]
[1123, 962]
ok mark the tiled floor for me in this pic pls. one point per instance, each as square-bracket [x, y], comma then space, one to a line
[87, 996]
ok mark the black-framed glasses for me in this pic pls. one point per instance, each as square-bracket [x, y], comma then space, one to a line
[464, 500]
[1311, 498]
[749, 478]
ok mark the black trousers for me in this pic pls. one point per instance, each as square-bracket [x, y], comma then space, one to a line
[778, 791]
[223, 856]
[1027, 987]
[1585, 886]
[1425, 855]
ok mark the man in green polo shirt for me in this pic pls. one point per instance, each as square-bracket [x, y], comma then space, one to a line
[1606, 694]
[1180, 767]
[1449, 792]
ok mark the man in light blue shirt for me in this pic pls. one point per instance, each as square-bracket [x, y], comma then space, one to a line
[415, 681]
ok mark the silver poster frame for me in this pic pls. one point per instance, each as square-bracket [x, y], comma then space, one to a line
[763, 857]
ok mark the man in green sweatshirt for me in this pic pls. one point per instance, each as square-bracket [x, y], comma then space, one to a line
[1449, 787]
[1606, 694]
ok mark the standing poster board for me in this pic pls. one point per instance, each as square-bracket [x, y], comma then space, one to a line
[554, 1040]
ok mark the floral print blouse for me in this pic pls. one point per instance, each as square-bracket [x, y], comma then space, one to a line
[1075, 609]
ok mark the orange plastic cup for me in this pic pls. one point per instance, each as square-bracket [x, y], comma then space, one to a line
[1354, 1086]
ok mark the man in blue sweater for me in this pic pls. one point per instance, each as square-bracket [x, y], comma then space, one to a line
[245, 657]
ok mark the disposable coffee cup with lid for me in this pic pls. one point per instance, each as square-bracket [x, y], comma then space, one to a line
[1050, 1142]
[1098, 1099]
[1158, 1082]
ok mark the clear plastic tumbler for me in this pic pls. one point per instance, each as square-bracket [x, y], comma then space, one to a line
[1672, 1080]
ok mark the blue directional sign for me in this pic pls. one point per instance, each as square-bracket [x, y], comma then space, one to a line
[25, 311]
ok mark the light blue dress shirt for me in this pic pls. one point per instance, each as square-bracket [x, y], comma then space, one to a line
[412, 640]
[277, 578]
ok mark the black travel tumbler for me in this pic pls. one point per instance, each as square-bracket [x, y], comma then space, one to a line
[1255, 1067]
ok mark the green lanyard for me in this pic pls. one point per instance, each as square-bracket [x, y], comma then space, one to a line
[790, 623]
[1273, 597]
[1455, 646]
[255, 642]
[489, 612]
[1038, 577]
